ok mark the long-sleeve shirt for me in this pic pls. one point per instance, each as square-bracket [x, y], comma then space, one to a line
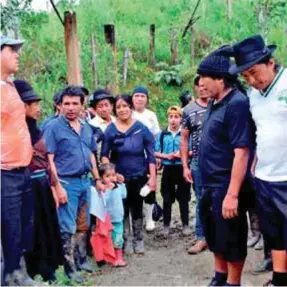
[131, 151]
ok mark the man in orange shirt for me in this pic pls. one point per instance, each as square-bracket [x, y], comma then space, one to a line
[16, 154]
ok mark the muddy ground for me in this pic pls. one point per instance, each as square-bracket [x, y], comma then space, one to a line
[166, 262]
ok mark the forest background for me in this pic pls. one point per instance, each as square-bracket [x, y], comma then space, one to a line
[43, 59]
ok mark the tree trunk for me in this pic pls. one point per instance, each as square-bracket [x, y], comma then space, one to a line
[229, 9]
[94, 62]
[151, 59]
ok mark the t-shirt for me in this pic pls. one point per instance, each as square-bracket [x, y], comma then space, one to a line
[16, 146]
[226, 127]
[193, 117]
[98, 122]
[269, 112]
[149, 119]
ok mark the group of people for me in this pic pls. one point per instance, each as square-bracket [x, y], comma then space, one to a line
[228, 144]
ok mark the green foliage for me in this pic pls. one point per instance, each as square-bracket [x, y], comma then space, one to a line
[43, 60]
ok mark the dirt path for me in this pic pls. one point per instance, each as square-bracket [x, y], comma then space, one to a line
[166, 262]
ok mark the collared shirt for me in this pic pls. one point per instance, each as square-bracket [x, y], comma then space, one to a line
[99, 122]
[16, 146]
[192, 119]
[131, 151]
[269, 112]
[170, 142]
[226, 127]
[46, 122]
[72, 150]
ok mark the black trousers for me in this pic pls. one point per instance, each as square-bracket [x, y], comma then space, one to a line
[174, 186]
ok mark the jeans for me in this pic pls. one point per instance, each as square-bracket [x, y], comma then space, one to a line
[197, 187]
[78, 193]
[17, 216]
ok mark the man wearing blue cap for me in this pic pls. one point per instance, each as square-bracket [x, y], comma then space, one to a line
[223, 161]
[16, 154]
[268, 106]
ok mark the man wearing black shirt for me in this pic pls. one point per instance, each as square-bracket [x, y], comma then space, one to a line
[223, 160]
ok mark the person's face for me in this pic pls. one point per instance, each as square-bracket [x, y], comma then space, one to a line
[201, 91]
[139, 101]
[174, 120]
[33, 110]
[123, 110]
[71, 107]
[109, 176]
[10, 60]
[104, 109]
[211, 86]
[260, 76]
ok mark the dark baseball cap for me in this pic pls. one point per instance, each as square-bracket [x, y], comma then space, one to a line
[26, 92]
[16, 44]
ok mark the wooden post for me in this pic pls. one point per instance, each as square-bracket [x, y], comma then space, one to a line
[151, 44]
[94, 62]
[111, 39]
[72, 49]
[192, 45]
[173, 48]
[125, 72]
[229, 9]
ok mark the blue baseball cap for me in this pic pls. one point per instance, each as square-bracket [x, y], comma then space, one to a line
[6, 41]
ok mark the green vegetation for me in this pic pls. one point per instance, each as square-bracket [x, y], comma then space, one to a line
[43, 60]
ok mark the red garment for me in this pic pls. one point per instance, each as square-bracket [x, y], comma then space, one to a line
[101, 241]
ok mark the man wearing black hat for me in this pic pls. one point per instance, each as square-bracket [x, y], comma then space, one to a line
[268, 106]
[16, 154]
[193, 115]
[223, 159]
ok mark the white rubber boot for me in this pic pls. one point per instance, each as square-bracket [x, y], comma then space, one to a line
[150, 225]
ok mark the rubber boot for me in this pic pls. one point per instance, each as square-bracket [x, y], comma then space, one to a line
[150, 225]
[128, 241]
[138, 242]
[68, 244]
[120, 262]
[80, 253]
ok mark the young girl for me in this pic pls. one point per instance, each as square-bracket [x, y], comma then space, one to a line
[113, 197]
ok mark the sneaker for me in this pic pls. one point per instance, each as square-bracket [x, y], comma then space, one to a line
[186, 231]
[150, 225]
[139, 247]
[252, 240]
[198, 247]
[215, 282]
[263, 267]
[260, 244]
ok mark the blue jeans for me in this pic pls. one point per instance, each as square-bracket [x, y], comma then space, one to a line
[78, 193]
[197, 187]
[17, 216]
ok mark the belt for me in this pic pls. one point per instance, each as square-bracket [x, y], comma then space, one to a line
[84, 175]
[38, 173]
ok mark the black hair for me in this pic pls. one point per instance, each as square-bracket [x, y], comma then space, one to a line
[3, 46]
[72, 91]
[126, 98]
[104, 167]
[196, 80]
[267, 59]
[85, 90]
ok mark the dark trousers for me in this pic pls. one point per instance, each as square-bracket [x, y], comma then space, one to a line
[174, 186]
[17, 210]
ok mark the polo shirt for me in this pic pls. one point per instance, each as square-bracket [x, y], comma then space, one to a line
[226, 127]
[99, 122]
[269, 112]
[72, 150]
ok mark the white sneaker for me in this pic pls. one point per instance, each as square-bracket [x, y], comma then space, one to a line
[150, 225]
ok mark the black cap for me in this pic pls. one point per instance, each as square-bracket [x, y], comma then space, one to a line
[26, 92]
[99, 95]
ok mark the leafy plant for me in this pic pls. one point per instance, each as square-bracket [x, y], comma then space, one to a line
[170, 75]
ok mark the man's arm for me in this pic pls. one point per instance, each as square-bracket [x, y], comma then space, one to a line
[184, 154]
[239, 167]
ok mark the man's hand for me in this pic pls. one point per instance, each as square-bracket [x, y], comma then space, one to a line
[170, 156]
[100, 186]
[152, 183]
[56, 199]
[230, 206]
[187, 175]
[61, 194]
[120, 178]
[158, 164]
[177, 155]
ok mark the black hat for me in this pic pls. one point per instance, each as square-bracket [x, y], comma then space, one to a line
[217, 63]
[99, 95]
[185, 97]
[249, 52]
[26, 92]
